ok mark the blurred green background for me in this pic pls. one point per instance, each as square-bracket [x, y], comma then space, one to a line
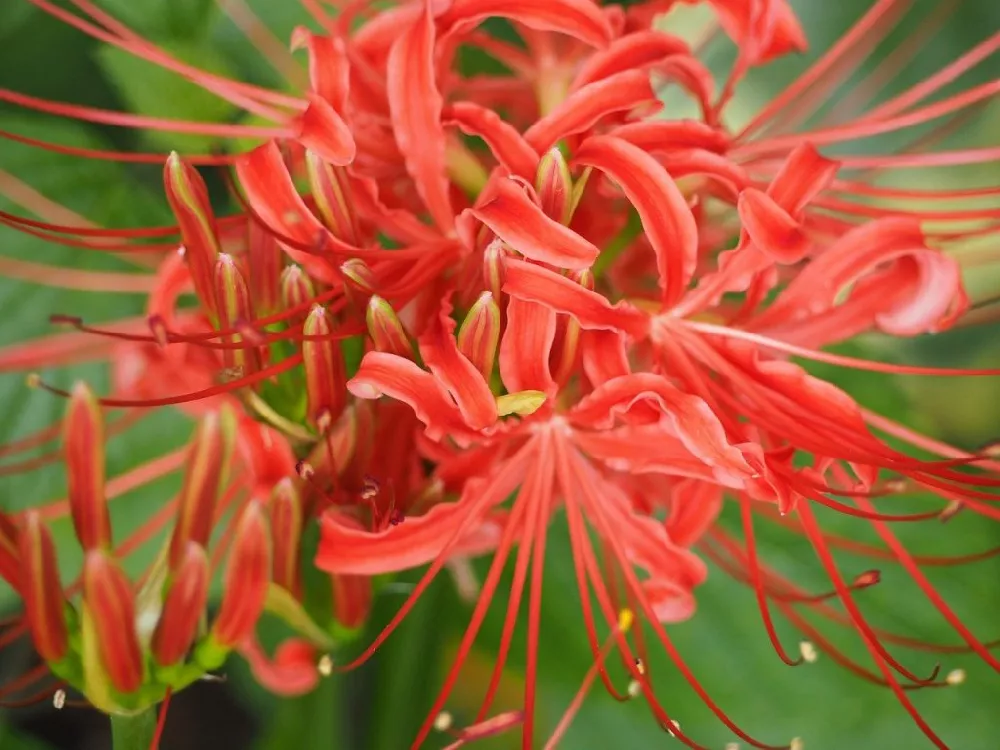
[379, 706]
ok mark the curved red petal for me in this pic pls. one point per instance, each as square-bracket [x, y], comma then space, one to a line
[322, 131]
[580, 19]
[771, 228]
[525, 348]
[506, 143]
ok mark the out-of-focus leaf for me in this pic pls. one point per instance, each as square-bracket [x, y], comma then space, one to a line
[180, 19]
[148, 89]
[308, 722]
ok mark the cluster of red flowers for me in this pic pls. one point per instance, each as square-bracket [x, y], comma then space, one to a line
[456, 309]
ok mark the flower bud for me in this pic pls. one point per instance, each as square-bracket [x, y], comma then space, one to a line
[188, 198]
[352, 599]
[494, 267]
[205, 473]
[332, 193]
[480, 333]
[233, 297]
[83, 443]
[183, 607]
[10, 567]
[360, 280]
[297, 290]
[247, 578]
[286, 533]
[554, 186]
[41, 590]
[386, 329]
[264, 263]
[111, 604]
[326, 379]
[564, 355]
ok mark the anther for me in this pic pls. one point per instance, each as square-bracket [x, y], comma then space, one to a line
[950, 511]
[955, 677]
[443, 721]
[808, 651]
[59, 699]
[625, 619]
[640, 666]
[304, 469]
[33, 380]
[634, 689]
[796, 744]
[325, 665]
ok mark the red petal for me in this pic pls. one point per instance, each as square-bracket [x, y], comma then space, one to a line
[666, 217]
[668, 135]
[399, 378]
[581, 19]
[605, 356]
[323, 132]
[694, 506]
[637, 50]
[415, 105]
[329, 70]
[464, 382]
[582, 109]
[525, 348]
[292, 671]
[692, 420]
[521, 224]
[784, 32]
[771, 228]
[803, 176]
[506, 143]
[533, 283]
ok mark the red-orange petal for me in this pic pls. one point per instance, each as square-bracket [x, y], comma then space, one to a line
[581, 19]
[41, 589]
[526, 347]
[504, 141]
[771, 228]
[83, 444]
[111, 602]
[183, 607]
[324, 132]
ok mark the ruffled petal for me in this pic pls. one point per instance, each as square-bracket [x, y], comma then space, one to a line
[525, 348]
[516, 220]
[506, 143]
[771, 228]
[399, 378]
[633, 51]
[694, 507]
[329, 69]
[292, 670]
[778, 34]
[669, 135]
[580, 19]
[415, 106]
[533, 283]
[322, 131]
[582, 109]
[666, 218]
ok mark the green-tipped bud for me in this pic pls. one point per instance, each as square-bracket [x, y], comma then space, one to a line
[233, 297]
[206, 470]
[188, 198]
[248, 575]
[297, 291]
[83, 444]
[386, 329]
[323, 360]
[360, 280]
[285, 510]
[332, 192]
[495, 267]
[554, 186]
[265, 260]
[110, 602]
[41, 590]
[480, 333]
[183, 607]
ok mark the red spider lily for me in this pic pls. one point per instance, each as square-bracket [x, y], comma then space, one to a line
[629, 286]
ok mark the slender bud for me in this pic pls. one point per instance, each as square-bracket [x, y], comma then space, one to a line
[83, 443]
[233, 297]
[286, 533]
[494, 267]
[111, 603]
[326, 379]
[332, 192]
[386, 329]
[41, 590]
[554, 186]
[264, 263]
[297, 290]
[564, 354]
[183, 607]
[360, 280]
[10, 567]
[188, 198]
[248, 575]
[205, 473]
[352, 599]
[479, 334]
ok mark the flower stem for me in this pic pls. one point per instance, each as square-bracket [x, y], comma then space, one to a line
[133, 731]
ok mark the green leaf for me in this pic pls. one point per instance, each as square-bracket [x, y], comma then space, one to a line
[149, 89]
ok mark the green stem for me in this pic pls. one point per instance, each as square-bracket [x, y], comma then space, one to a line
[133, 731]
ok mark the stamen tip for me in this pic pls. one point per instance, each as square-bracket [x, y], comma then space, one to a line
[325, 665]
[955, 677]
[443, 721]
[796, 744]
[625, 619]
[808, 652]
[33, 380]
[634, 689]
[59, 699]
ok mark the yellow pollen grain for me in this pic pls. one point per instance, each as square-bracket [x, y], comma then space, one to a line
[955, 677]
[625, 619]
[443, 721]
[640, 666]
[634, 689]
[59, 699]
[325, 665]
[808, 652]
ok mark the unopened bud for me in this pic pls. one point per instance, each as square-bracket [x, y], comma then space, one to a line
[189, 200]
[264, 263]
[83, 443]
[554, 186]
[41, 589]
[9, 566]
[206, 470]
[323, 361]
[247, 577]
[386, 329]
[111, 603]
[480, 333]
[495, 267]
[359, 276]
[352, 599]
[286, 533]
[183, 607]
[332, 192]
[233, 297]
[297, 290]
